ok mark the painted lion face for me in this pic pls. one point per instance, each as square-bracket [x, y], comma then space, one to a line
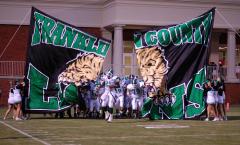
[84, 68]
[153, 66]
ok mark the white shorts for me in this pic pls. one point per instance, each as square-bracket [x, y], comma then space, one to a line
[221, 99]
[137, 103]
[104, 98]
[11, 98]
[210, 97]
[216, 96]
[119, 101]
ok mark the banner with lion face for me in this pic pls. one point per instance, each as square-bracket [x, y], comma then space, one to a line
[173, 60]
[60, 58]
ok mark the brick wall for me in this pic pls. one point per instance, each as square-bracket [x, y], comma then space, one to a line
[4, 86]
[17, 49]
[18, 46]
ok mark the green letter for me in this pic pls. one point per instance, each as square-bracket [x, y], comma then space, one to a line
[38, 21]
[175, 110]
[164, 37]
[207, 24]
[187, 33]
[102, 48]
[68, 37]
[37, 84]
[175, 35]
[196, 24]
[84, 42]
[151, 38]
[47, 27]
[137, 37]
[195, 100]
[57, 33]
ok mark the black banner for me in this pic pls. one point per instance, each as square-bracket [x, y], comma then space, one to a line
[60, 58]
[173, 60]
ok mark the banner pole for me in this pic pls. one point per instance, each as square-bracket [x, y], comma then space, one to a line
[225, 20]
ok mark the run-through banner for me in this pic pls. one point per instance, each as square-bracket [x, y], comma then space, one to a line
[60, 58]
[173, 59]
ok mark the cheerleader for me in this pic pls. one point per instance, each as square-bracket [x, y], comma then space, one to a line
[10, 104]
[221, 99]
[17, 99]
[210, 102]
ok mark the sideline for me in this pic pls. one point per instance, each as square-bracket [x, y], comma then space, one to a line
[26, 134]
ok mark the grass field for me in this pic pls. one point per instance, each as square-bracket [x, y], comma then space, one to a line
[40, 130]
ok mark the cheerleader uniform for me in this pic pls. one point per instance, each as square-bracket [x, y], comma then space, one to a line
[211, 97]
[221, 95]
[17, 95]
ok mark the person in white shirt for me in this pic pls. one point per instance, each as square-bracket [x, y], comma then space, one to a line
[10, 105]
[210, 102]
[107, 98]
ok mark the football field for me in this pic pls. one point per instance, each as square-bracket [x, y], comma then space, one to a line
[40, 130]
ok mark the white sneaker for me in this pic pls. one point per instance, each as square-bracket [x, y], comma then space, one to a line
[206, 119]
[216, 119]
[110, 118]
[18, 119]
